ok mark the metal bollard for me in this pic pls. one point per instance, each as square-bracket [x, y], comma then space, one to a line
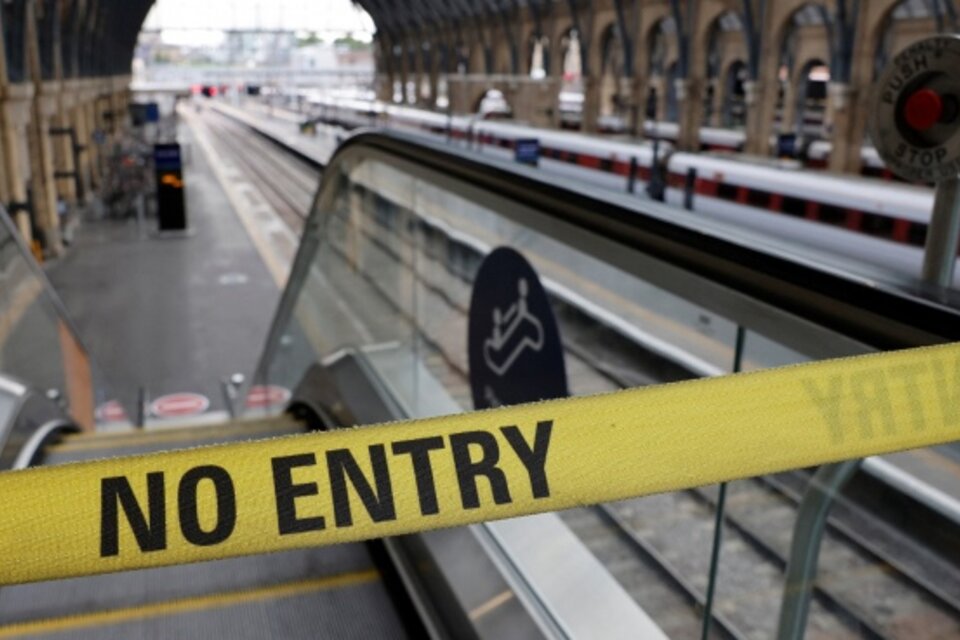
[656, 186]
[688, 189]
[632, 178]
[142, 400]
[943, 234]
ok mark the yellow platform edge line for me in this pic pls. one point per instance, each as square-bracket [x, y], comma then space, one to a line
[96, 444]
[132, 432]
[187, 605]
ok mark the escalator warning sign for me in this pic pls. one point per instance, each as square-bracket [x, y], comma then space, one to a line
[355, 484]
[311, 494]
[513, 342]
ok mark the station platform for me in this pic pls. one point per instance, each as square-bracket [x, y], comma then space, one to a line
[170, 313]
[283, 125]
[863, 225]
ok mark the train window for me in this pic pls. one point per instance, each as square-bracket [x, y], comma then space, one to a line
[878, 225]
[833, 215]
[758, 198]
[794, 206]
[726, 191]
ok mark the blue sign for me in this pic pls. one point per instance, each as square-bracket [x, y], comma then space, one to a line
[153, 112]
[514, 345]
[787, 145]
[527, 151]
[166, 157]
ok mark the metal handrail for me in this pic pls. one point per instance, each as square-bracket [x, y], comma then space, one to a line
[32, 450]
[8, 227]
[751, 278]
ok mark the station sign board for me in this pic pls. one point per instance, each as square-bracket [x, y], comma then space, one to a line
[527, 151]
[171, 204]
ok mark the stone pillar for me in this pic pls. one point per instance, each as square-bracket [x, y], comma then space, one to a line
[608, 93]
[761, 102]
[421, 76]
[96, 138]
[625, 99]
[849, 120]
[120, 98]
[43, 183]
[4, 156]
[663, 96]
[404, 74]
[16, 155]
[638, 106]
[591, 104]
[43, 109]
[65, 161]
[534, 101]
[80, 124]
[753, 94]
[690, 107]
[64, 164]
[716, 109]
[458, 94]
[789, 115]
[384, 83]
[434, 78]
[385, 76]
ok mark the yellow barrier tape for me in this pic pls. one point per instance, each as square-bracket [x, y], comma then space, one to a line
[320, 489]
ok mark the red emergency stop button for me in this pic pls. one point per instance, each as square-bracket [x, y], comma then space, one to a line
[923, 109]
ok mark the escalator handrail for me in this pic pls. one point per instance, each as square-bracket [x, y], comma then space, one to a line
[871, 312]
[9, 229]
[32, 451]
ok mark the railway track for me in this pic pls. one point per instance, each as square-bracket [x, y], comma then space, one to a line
[870, 585]
[287, 183]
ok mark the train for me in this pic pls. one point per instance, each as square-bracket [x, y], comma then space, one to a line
[893, 211]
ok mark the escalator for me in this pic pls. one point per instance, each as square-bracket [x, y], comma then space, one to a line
[455, 583]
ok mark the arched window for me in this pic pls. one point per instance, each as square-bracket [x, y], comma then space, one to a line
[725, 40]
[804, 82]
[14, 15]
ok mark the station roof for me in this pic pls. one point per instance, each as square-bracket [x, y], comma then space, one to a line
[404, 16]
[98, 37]
[93, 37]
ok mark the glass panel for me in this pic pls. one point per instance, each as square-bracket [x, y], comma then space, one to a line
[38, 346]
[393, 260]
[394, 272]
[392, 277]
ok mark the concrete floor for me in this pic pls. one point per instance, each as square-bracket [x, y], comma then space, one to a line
[170, 314]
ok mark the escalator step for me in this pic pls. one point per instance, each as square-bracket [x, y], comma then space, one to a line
[93, 447]
[331, 592]
[351, 605]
